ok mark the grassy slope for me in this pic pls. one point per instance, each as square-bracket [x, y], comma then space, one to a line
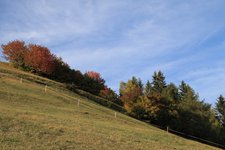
[31, 118]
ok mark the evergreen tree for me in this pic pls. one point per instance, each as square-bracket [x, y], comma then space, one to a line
[159, 82]
[172, 92]
[134, 80]
[170, 96]
[137, 82]
[140, 84]
[148, 88]
[196, 118]
[186, 92]
[183, 89]
[220, 109]
[162, 106]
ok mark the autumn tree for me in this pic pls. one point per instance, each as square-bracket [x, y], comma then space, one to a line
[93, 82]
[15, 52]
[110, 95]
[40, 59]
[130, 92]
[107, 93]
[177, 107]
[95, 76]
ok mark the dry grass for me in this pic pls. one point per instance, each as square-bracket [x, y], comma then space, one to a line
[31, 118]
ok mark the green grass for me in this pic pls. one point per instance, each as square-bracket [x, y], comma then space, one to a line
[31, 118]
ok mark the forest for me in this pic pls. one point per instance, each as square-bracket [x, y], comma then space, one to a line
[165, 104]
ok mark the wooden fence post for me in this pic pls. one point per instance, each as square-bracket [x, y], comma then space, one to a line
[8, 94]
[45, 88]
[78, 103]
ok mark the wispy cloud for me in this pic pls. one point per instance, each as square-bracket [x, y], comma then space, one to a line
[125, 38]
[208, 82]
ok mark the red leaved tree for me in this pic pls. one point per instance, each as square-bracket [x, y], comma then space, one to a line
[110, 95]
[93, 82]
[96, 76]
[15, 52]
[40, 59]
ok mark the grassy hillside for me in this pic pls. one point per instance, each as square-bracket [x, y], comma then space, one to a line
[31, 118]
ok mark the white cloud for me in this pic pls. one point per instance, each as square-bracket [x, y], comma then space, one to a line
[119, 38]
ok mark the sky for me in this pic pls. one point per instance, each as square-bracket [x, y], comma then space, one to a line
[125, 38]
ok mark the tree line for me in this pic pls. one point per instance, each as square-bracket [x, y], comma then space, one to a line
[39, 60]
[178, 107]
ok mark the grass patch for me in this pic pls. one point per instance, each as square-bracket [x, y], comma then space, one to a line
[31, 118]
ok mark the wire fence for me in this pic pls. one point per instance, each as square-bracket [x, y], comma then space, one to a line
[117, 108]
[168, 130]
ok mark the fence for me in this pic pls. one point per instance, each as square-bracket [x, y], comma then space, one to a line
[103, 102]
[168, 130]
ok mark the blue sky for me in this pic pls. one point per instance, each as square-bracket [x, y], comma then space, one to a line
[122, 38]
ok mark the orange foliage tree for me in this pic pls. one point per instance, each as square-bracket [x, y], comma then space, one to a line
[15, 52]
[40, 59]
[96, 76]
[110, 95]
[130, 93]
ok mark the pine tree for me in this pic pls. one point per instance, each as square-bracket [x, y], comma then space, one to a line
[220, 109]
[159, 82]
[186, 92]
[148, 88]
[183, 89]
[134, 80]
[171, 91]
[140, 84]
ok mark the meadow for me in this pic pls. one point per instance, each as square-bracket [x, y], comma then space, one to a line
[33, 116]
